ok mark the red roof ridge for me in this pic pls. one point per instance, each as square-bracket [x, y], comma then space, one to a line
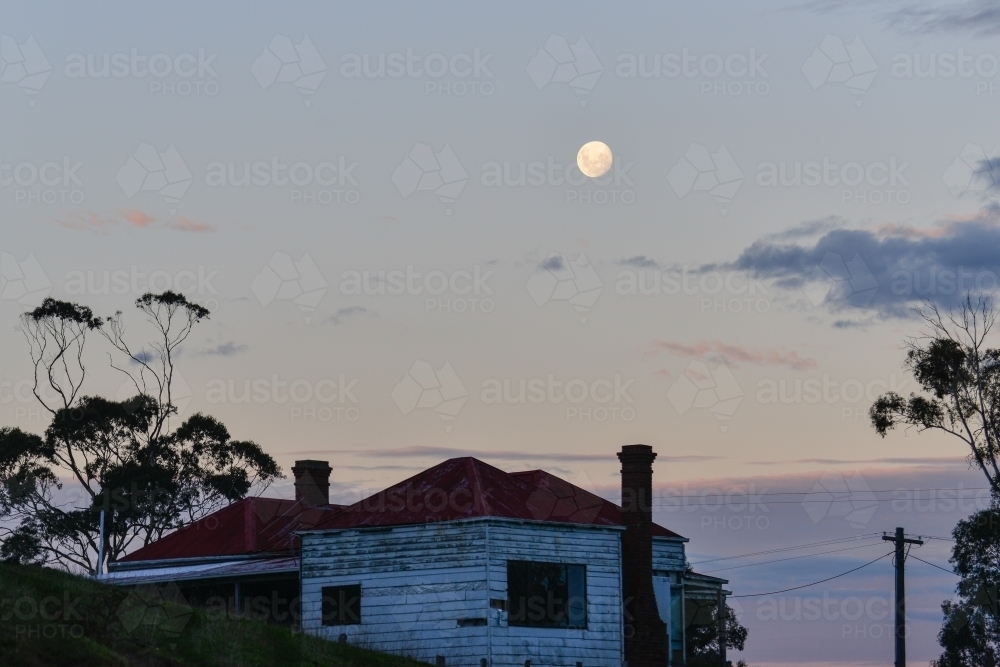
[250, 526]
[456, 489]
[478, 494]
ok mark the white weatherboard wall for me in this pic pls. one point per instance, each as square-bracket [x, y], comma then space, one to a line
[668, 555]
[599, 548]
[418, 581]
[668, 567]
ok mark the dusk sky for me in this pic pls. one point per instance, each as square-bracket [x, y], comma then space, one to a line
[380, 205]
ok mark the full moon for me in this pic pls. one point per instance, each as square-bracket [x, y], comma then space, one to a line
[594, 159]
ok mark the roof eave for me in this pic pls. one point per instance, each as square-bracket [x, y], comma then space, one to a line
[672, 538]
[499, 519]
[194, 560]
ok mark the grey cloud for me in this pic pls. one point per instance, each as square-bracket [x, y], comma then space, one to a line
[553, 263]
[828, 6]
[640, 262]
[343, 314]
[440, 453]
[228, 349]
[142, 357]
[978, 17]
[893, 460]
[807, 229]
[852, 324]
[885, 271]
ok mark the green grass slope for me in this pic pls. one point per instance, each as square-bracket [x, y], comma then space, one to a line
[53, 619]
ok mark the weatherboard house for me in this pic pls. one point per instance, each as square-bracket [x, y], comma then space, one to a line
[461, 564]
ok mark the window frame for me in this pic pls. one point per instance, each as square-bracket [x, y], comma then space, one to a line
[338, 594]
[567, 578]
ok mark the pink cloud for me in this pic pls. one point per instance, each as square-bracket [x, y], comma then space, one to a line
[135, 217]
[188, 225]
[86, 221]
[733, 355]
[987, 217]
[90, 221]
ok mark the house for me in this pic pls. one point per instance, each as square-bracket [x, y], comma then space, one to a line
[238, 555]
[461, 564]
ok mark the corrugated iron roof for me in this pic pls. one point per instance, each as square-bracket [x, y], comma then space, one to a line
[249, 526]
[459, 488]
[220, 570]
[467, 488]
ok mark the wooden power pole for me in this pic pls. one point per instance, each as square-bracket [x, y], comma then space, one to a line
[900, 541]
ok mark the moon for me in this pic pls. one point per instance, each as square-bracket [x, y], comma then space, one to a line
[594, 159]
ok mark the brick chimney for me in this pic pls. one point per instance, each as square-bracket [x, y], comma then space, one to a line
[645, 634]
[312, 482]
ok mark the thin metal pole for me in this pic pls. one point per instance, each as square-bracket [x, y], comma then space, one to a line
[100, 550]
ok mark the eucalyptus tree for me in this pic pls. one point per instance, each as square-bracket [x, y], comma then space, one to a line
[130, 458]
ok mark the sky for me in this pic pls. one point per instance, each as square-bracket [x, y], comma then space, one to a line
[380, 206]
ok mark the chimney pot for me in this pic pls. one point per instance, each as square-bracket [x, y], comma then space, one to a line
[312, 482]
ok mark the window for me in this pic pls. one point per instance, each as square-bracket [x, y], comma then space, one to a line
[546, 595]
[342, 605]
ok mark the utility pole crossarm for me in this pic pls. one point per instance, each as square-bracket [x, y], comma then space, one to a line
[900, 541]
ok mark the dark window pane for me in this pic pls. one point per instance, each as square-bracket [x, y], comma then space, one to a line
[576, 608]
[342, 605]
[546, 595]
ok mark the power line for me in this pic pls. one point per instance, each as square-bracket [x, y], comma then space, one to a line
[856, 496]
[755, 595]
[812, 493]
[792, 548]
[779, 560]
[937, 566]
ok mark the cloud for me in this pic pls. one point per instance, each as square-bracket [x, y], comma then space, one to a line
[733, 355]
[441, 453]
[552, 263]
[894, 460]
[884, 271]
[862, 323]
[90, 221]
[640, 262]
[86, 221]
[978, 17]
[807, 229]
[141, 357]
[343, 314]
[228, 349]
[135, 217]
[829, 6]
[188, 225]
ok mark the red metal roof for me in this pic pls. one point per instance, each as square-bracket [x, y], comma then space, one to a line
[249, 526]
[467, 488]
[577, 504]
[460, 488]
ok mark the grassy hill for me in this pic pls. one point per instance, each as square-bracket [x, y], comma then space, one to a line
[50, 618]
